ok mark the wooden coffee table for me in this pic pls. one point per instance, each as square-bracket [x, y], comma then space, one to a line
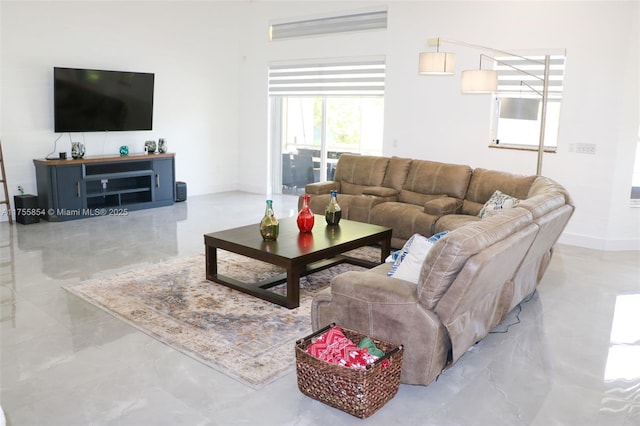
[298, 253]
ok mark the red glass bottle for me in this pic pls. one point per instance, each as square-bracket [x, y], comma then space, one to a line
[305, 216]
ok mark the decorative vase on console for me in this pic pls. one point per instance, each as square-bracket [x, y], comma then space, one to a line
[333, 212]
[77, 150]
[269, 225]
[305, 215]
[162, 146]
[150, 147]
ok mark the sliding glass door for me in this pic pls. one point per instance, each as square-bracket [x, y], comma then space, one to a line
[320, 112]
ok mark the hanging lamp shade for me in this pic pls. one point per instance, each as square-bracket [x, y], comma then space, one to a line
[479, 81]
[437, 63]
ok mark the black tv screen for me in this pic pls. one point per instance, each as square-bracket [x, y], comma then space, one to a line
[88, 100]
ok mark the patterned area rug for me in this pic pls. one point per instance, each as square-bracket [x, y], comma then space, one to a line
[244, 337]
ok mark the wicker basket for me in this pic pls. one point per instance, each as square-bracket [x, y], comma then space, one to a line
[357, 392]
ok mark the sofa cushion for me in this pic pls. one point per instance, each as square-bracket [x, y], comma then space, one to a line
[380, 191]
[320, 188]
[485, 182]
[429, 178]
[442, 206]
[446, 259]
[396, 174]
[498, 202]
[355, 172]
[360, 206]
[450, 222]
[349, 188]
[404, 219]
[408, 261]
[545, 185]
[541, 204]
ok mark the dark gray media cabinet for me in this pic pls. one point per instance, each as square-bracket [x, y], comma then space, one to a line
[104, 185]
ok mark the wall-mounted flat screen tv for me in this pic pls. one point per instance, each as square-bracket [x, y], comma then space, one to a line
[87, 100]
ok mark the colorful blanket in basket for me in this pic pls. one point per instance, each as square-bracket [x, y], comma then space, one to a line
[334, 347]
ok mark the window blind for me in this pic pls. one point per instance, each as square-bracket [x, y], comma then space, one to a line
[509, 79]
[358, 78]
[313, 26]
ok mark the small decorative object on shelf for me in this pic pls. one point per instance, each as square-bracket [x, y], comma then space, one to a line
[269, 226]
[162, 146]
[150, 147]
[333, 212]
[77, 150]
[305, 215]
[124, 151]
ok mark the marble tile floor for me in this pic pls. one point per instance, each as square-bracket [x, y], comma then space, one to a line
[572, 359]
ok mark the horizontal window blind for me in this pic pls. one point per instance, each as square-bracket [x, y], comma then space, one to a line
[344, 22]
[509, 79]
[360, 78]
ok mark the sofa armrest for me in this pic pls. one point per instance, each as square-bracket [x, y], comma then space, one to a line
[379, 191]
[374, 288]
[388, 309]
[442, 206]
[318, 188]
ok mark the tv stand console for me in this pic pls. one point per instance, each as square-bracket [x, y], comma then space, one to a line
[104, 185]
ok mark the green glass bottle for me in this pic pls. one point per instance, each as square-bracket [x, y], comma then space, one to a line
[269, 226]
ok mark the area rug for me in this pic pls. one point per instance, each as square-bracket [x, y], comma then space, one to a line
[244, 337]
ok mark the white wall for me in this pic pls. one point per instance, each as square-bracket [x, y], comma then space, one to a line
[427, 117]
[192, 49]
[216, 119]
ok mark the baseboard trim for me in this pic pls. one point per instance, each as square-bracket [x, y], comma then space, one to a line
[586, 241]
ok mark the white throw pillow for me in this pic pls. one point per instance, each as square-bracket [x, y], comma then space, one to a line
[499, 201]
[409, 268]
[398, 256]
[408, 261]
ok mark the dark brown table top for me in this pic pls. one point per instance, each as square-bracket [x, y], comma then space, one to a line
[291, 243]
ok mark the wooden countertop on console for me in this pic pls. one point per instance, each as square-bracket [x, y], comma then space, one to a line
[100, 159]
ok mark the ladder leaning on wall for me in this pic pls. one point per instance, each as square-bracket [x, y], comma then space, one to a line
[5, 200]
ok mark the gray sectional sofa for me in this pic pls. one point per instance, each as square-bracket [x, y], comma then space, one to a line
[470, 279]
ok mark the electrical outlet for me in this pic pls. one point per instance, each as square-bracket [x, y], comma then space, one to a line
[585, 148]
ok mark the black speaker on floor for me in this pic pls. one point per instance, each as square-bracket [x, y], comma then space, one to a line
[27, 210]
[181, 191]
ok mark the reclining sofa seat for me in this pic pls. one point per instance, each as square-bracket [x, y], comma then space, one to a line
[457, 300]
[359, 182]
[482, 185]
[550, 205]
[551, 208]
[430, 190]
